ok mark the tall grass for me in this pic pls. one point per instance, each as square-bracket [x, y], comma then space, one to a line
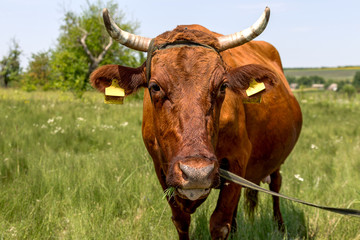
[78, 169]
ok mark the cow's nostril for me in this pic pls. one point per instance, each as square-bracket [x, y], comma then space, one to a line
[194, 173]
[184, 176]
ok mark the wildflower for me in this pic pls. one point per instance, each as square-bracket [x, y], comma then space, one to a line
[107, 127]
[313, 146]
[50, 120]
[124, 124]
[13, 231]
[80, 119]
[58, 129]
[297, 176]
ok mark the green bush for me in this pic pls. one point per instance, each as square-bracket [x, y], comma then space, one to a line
[349, 90]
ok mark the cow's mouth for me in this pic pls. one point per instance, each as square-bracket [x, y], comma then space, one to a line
[193, 194]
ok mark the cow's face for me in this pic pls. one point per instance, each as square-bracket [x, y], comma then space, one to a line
[187, 88]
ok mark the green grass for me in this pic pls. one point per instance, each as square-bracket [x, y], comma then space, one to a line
[335, 74]
[78, 169]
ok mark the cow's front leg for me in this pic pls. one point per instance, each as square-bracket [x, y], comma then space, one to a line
[181, 221]
[181, 210]
[222, 218]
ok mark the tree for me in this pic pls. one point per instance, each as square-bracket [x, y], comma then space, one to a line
[38, 72]
[84, 44]
[316, 79]
[10, 64]
[349, 90]
[291, 79]
[356, 81]
[304, 81]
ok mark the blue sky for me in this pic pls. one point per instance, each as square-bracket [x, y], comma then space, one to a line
[307, 33]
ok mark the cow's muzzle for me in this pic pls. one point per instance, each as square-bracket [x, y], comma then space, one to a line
[194, 178]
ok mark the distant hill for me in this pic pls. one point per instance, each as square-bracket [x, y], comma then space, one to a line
[335, 74]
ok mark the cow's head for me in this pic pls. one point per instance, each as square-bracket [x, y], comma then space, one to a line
[187, 82]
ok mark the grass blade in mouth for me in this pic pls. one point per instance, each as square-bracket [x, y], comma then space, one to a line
[169, 192]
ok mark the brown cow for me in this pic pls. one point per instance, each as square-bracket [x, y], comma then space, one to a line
[194, 118]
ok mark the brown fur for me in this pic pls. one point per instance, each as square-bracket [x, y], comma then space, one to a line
[189, 119]
[184, 32]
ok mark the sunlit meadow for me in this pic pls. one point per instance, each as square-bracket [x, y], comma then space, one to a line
[78, 169]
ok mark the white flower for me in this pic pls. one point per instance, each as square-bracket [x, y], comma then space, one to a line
[297, 176]
[313, 146]
[124, 124]
[50, 120]
[80, 119]
[58, 129]
[107, 127]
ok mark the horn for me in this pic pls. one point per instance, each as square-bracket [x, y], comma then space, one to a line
[244, 36]
[125, 38]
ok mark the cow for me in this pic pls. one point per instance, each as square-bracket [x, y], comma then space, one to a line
[197, 117]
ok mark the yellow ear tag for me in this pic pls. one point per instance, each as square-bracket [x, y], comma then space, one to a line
[114, 94]
[255, 87]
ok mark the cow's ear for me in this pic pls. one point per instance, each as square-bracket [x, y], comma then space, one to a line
[130, 79]
[239, 78]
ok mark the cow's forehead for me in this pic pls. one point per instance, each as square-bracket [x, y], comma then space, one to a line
[191, 65]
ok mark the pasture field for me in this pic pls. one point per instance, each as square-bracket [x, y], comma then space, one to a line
[335, 74]
[78, 169]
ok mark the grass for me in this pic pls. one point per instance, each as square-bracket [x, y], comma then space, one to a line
[78, 169]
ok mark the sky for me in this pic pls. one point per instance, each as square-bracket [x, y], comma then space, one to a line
[307, 33]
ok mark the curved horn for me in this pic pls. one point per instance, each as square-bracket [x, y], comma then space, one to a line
[125, 38]
[244, 36]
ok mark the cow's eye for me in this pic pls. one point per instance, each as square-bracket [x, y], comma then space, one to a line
[223, 87]
[154, 87]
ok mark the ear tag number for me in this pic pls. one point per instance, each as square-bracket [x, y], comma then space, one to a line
[255, 87]
[114, 94]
